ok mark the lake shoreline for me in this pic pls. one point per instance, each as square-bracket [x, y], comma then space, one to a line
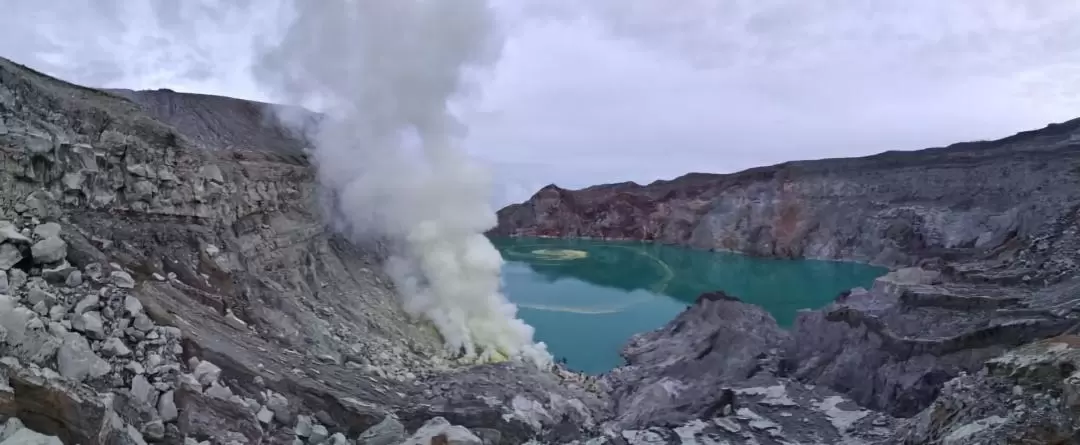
[609, 291]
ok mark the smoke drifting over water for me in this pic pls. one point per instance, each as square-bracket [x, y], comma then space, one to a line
[384, 72]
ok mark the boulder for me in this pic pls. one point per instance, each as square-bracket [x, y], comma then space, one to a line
[10, 255]
[90, 324]
[203, 416]
[122, 279]
[47, 230]
[77, 361]
[10, 234]
[49, 250]
[46, 402]
[387, 432]
[439, 431]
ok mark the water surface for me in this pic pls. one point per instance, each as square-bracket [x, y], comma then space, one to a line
[587, 297]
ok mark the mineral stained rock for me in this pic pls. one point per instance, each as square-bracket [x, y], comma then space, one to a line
[983, 239]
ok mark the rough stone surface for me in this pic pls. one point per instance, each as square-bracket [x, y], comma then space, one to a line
[27, 436]
[75, 359]
[439, 430]
[197, 231]
[47, 230]
[1028, 395]
[206, 372]
[9, 256]
[722, 382]
[122, 279]
[387, 432]
[167, 407]
[49, 250]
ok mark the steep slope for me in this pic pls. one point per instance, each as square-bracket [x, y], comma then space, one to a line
[196, 225]
[969, 200]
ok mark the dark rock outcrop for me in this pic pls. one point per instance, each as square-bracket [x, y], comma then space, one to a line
[1022, 394]
[1028, 395]
[893, 346]
[713, 375]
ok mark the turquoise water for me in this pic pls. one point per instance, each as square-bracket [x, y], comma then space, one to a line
[586, 298]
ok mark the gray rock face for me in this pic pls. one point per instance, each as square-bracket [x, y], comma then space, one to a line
[720, 340]
[912, 337]
[723, 382]
[141, 186]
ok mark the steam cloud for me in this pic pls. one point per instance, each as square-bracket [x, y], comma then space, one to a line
[384, 73]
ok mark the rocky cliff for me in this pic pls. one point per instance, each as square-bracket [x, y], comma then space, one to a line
[993, 232]
[166, 275]
[969, 200]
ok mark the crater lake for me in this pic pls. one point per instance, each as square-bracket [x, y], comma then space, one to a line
[586, 298]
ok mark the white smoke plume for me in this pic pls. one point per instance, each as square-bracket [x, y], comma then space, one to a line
[384, 73]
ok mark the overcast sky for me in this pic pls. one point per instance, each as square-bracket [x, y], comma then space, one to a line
[592, 91]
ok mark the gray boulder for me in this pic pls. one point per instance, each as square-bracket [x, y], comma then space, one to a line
[10, 234]
[10, 255]
[47, 230]
[387, 432]
[49, 250]
[122, 279]
[77, 361]
[446, 433]
[91, 324]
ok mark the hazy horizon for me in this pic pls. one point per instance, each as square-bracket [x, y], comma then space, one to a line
[608, 91]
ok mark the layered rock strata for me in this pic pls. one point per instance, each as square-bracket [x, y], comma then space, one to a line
[166, 271]
[983, 239]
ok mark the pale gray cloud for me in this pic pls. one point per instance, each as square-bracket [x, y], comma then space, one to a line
[591, 91]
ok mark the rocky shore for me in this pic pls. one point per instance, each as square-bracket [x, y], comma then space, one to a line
[166, 276]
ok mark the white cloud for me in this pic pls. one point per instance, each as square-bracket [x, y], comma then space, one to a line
[592, 91]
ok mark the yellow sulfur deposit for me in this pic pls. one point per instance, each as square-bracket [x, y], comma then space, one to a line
[560, 254]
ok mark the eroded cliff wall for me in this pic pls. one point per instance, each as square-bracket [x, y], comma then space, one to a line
[970, 200]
